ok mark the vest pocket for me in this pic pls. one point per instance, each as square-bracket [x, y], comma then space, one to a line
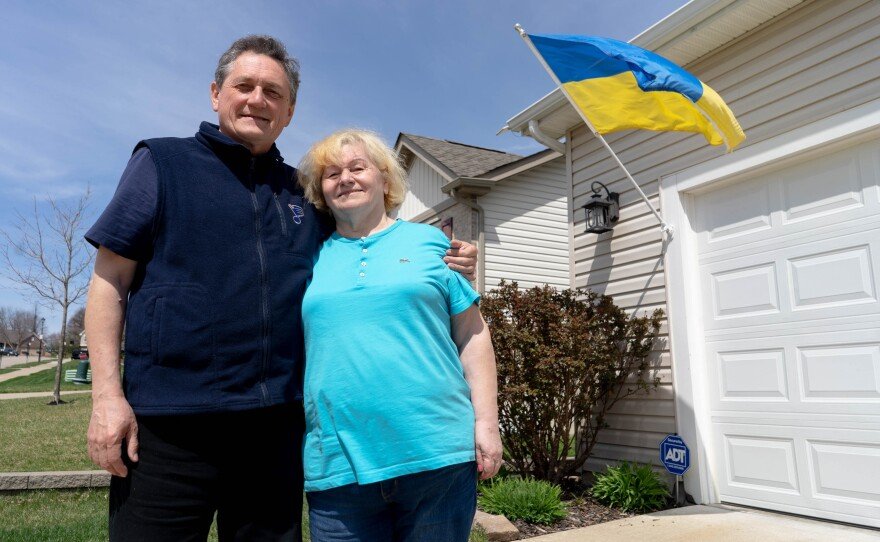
[182, 331]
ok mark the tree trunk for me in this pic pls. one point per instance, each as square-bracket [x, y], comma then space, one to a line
[56, 394]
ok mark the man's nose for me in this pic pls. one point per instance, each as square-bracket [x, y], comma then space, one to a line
[257, 97]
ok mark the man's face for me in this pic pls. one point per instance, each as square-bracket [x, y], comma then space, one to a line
[253, 105]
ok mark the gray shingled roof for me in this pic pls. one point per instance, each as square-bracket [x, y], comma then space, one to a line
[463, 160]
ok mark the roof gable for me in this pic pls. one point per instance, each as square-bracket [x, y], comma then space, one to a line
[457, 159]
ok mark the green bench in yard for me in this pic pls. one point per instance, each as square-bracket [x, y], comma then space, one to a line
[70, 376]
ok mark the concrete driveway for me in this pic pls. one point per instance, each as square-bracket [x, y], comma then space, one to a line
[714, 524]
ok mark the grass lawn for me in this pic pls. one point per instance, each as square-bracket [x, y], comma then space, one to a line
[8, 369]
[37, 437]
[42, 381]
[63, 516]
[75, 516]
[54, 516]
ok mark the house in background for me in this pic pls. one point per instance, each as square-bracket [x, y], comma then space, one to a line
[770, 282]
[513, 208]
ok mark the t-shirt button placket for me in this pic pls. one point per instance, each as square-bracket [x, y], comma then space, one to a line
[362, 274]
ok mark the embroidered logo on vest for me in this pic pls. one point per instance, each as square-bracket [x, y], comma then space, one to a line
[298, 213]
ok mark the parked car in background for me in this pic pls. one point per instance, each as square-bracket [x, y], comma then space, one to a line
[79, 353]
[8, 351]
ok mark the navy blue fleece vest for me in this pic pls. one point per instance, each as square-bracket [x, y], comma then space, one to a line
[213, 321]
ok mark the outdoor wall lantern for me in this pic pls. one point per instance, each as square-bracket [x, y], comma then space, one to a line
[602, 213]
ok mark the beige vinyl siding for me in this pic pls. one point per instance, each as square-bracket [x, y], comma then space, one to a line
[526, 224]
[424, 190]
[811, 62]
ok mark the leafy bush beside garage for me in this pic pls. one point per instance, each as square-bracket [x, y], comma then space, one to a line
[565, 357]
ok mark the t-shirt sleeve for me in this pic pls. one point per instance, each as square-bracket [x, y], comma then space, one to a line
[126, 225]
[461, 294]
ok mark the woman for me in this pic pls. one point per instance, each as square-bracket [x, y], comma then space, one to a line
[400, 392]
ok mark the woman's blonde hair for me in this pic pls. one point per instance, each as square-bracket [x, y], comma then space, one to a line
[328, 152]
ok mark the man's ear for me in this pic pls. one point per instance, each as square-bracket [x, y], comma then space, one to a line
[215, 96]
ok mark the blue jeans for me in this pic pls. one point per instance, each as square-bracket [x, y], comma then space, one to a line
[432, 506]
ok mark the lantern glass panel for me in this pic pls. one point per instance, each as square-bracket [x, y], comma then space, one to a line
[597, 215]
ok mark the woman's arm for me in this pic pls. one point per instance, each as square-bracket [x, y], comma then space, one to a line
[471, 335]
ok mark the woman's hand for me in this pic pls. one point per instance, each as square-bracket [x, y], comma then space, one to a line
[488, 449]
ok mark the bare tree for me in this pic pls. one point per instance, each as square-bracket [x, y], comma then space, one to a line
[76, 324]
[47, 255]
[16, 325]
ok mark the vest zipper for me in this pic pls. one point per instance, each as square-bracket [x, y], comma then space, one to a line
[264, 293]
[280, 215]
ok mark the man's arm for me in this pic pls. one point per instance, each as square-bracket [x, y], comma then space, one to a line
[462, 257]
[471, 335]
[112, 421]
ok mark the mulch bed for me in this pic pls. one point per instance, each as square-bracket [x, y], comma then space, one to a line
[582, 512]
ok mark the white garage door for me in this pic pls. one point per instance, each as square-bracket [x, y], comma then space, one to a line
[789, 272]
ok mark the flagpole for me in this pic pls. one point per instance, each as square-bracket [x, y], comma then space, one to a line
[664, 227]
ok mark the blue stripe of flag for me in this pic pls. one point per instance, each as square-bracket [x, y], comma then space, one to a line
[576, 58]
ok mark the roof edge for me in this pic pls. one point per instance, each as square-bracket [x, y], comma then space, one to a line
[428, 158]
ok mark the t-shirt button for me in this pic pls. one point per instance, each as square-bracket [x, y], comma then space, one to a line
[363, 274]
[363, 264]
[364, 250]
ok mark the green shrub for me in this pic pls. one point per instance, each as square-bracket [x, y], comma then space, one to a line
[535, 501]
[631, 487]
[564, 357]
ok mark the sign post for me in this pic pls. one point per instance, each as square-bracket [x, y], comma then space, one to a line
[676, 457]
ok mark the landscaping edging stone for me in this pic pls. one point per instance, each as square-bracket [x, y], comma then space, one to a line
[498, 528]
[17, 481]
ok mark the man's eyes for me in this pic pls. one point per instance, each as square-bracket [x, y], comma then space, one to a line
[245, 88]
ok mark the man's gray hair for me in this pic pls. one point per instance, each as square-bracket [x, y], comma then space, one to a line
[261, 45]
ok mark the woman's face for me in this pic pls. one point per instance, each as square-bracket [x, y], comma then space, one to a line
[355, 184]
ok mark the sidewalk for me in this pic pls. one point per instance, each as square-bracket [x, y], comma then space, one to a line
[716, 523]
[28, 395]
[28, 371]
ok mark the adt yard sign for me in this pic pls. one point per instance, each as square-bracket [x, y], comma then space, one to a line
[674, 455]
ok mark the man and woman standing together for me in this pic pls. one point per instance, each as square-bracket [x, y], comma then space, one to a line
[227, 270]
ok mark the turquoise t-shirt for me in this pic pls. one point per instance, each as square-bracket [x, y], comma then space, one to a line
[385, 393]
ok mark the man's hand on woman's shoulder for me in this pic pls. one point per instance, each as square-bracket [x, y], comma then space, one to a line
[462, 257]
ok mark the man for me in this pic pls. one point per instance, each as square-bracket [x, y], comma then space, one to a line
[204, 254]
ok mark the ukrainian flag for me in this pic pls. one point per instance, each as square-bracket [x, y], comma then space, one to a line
[619, 86]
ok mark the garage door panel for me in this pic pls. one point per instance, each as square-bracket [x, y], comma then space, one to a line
[803, 374]
[840, 373]
[842, 471]
[756, 375]
[832, 189]
[786, 467]
[837, 277]
[745, 292]
[808, 194]
[741, 209]
[767, 463]
[826, 278]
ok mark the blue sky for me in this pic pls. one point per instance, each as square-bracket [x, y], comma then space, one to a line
[85, 80]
